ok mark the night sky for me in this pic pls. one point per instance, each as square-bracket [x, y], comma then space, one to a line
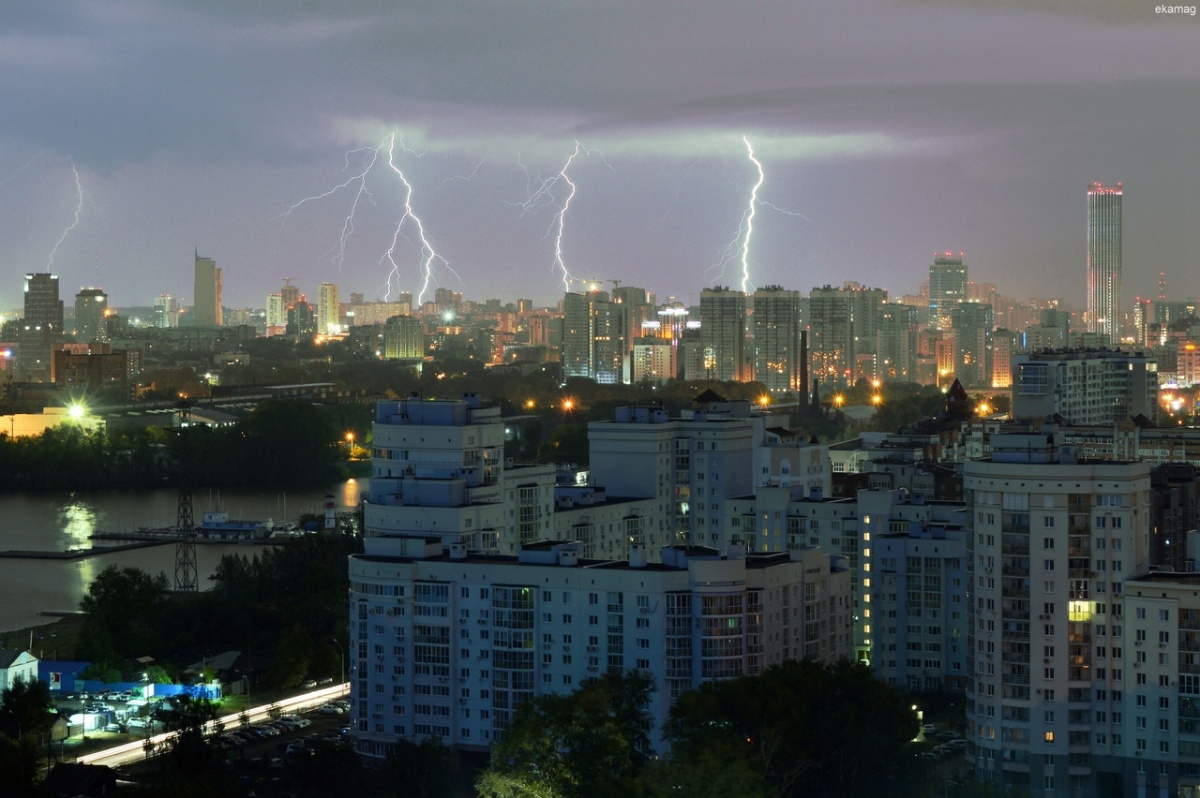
[886, 131]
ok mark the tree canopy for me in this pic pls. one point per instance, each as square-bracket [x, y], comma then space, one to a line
[805, 728]
[593, 742]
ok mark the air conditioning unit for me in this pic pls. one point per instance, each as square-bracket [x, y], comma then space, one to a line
[1046, 661]
[566, 648]
[644, 610]
[591, 648]
[482, 622]
[1162, 645]
[1137, 642]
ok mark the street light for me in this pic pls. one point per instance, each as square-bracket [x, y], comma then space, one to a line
[349, 445]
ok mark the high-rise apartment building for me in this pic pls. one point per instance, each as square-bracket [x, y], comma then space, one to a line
[972, 325]
[301, 318]
[276, 312]
[166, 311]
[1104, 260]
[289, 294]
[329, 317]
[1053, 541]
[403, 339]
[723, 333]
[947, 288]
[41, 328]
[780, 343]
[831, 336]
[206, 309]
[590, 337]
[1085, 386]
[896, 342]
[91, 306]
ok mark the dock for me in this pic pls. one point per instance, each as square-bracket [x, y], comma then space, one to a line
[77, 554]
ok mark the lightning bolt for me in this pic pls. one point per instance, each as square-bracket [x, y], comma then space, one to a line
[543, 196]
[75, 221]
[428, 254]
[360, 180]
[751, 208]
[18, 171]
[357, 183]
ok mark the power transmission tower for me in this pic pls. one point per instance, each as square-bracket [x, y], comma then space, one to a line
[185, 548]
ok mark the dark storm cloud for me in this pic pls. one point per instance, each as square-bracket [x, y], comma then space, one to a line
[200, 122]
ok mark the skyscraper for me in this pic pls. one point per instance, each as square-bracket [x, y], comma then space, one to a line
[42, 326]
[780, 345]
[723, 333]
[973, 325]
[947, 288]
[166, 311]
[206, 310]
[329, 321]
[91, 306]
[589, 345]
[1104, 260]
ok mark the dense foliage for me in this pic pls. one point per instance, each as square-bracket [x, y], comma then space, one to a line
[797, 729]
[281, 443]
[288, 602]
[804, 729]
[593, 742]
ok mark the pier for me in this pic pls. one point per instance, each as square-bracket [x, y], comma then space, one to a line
[79, 554]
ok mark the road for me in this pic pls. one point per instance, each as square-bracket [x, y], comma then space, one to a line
[136, 751]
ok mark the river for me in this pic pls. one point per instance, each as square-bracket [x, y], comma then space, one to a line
[61, 522]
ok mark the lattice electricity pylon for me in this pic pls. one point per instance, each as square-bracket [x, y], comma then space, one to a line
[186, 577]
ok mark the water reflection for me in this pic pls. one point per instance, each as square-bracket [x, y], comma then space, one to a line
[77, 521]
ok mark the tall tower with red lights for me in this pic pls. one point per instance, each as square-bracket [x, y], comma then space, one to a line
[1104, 260]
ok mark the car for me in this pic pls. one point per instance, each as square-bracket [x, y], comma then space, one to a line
[309, 684]
[947, 736]
[325, 681]
[297, 747]
[331, 709]
[112, 727]
[958, 745]
[140, 723]
[929, 728]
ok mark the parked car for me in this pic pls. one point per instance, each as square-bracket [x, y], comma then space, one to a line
[331, 709]
[309, 684]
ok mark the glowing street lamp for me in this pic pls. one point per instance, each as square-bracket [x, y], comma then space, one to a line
[77, 410]
[568, 404]
[350, 444]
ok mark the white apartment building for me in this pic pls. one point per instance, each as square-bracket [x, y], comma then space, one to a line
[1053, 542]
[438, 472]
[446, 643]
[1091, 386]
[695, 463]
[329, 318]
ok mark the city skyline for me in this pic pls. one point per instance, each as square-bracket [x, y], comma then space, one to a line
[141, 133]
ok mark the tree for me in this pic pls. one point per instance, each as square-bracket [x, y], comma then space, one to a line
[593, 742]
[189, 755]
[806, 729]
[26, 709]
[122, 605]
